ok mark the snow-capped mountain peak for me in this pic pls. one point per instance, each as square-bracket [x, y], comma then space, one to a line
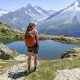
[22, 16]
[29, 5]
[31, 11]
[37, 12]
[74, 6]
[63, 22]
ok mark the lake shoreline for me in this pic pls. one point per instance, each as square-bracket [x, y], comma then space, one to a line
[61, 38]
[48, 49]
[17, 35]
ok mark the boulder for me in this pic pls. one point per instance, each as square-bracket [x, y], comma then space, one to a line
[73, 53]
[5, 52]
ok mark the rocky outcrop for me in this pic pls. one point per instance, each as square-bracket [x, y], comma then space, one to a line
[16, 72]
[75, 52]
[5, 52]
[68, 74]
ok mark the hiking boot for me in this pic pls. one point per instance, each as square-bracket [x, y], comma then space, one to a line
[34, 68]
[28, 68]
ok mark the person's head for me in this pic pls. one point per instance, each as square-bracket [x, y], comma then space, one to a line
[30, 27]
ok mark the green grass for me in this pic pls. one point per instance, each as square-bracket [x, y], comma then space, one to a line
[47, 69]
[7, 34]
[15, 53]
[73, 51]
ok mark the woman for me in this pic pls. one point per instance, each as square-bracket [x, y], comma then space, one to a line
[32, 48]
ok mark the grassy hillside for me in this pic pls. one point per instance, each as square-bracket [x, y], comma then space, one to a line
[47, 69]
[7, 34]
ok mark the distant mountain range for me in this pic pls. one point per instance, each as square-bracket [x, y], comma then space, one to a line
[21, 17]
[63, 22]
[2, 12]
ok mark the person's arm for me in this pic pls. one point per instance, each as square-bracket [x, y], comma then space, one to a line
[37, 38]
[23, 37]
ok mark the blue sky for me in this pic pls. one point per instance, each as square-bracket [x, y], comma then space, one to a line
[46, 4]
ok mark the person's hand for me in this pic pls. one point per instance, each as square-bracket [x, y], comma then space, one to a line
[23, 37]
[37, 45]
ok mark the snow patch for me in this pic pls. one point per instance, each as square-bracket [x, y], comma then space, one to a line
[2, 12]
[14, 19]
[39, 11]
[74, 7]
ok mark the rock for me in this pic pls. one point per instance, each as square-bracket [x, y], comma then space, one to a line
[68, 74]
[21, 57]
[5, 52]
[16, 72]
[65, 56]
[5, 56]
[73, 53]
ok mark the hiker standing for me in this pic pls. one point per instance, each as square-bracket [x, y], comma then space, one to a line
[32, 42]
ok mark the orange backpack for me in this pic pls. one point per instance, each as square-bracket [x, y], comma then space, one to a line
[30, 39]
